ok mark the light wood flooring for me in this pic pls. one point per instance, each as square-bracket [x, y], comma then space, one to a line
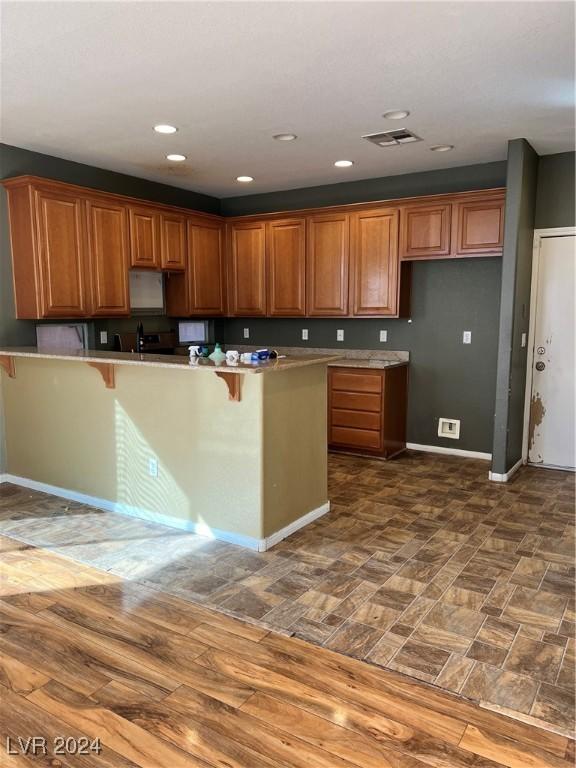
[163, 683]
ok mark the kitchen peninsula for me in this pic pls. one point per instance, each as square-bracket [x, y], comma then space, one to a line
[234, 452]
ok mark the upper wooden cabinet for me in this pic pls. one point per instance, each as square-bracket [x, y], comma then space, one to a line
[62, 254]
[108, 257]
[286, 265]
[479, 226]
[145, 238]
[425, 231]
[247, 269]
[173, 242]
[328, 265]
[200, 290]
[464, 225]
[374, 274]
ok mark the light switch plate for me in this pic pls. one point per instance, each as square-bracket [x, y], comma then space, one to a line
[467, 337]
[383, 335]
[246, 333]
[103, 337]
[340, 335]
[304, 334]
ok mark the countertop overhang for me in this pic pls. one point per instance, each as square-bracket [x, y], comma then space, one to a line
[178, 362]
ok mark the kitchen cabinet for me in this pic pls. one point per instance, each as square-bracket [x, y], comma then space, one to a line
[374, 270]
[145, 237]
[49, 250]
[108, 245]
[247, 269]
[328, 265]
[200, 289]
[425, 231]
[367, 410]
[173, 242]
[286, 267]
[479, 226]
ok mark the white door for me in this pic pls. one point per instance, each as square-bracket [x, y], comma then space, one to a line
[551, 436]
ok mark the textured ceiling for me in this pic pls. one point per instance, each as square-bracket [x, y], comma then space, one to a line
[87, 81]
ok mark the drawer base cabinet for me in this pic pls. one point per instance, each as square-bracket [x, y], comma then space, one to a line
[367, 410]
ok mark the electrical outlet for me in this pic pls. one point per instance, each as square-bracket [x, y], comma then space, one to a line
[523, 339]
[246, 333]
[153, 467]
[103, 337]
[340, 335]
[449, 428]
[383, 335]
[467, 337]
[304, 334]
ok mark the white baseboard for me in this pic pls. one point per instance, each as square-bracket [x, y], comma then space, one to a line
[497, 477]
[201, 529]
[449, 451]
[288, 530]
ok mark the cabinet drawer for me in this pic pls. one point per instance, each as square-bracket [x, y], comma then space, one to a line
[357, 401]
[356, 382]
[357, 419]
[356, 438]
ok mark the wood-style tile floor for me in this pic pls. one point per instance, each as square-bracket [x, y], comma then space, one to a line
[163, 683]
[423, 567]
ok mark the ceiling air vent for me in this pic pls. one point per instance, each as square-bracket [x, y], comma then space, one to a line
[392, 138]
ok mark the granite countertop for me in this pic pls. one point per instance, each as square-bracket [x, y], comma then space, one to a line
[346, 358]
[170, 361]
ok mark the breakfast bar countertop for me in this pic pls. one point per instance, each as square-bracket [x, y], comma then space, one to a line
[169, 361]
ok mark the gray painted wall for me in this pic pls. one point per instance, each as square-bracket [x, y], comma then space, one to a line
[447, 378]
[555, 204]
[16, 162]
[461, 179]
[521, 190]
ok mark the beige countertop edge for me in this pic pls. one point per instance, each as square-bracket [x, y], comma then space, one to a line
[168, 361]
[362, 362]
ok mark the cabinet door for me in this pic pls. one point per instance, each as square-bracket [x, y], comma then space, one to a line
[144, 238]
[247, 269]
[286, 247]
[327, 271]
[206, 269]
[108, 251]
[62, 254]
[425, 231]
[173, 242]
[479, 226]
[375, 274]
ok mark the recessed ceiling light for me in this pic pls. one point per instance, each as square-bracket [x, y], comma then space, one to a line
[396, 114]
[176, 158]
[244, 179]
[285, 136]
[165, 128]
[343, 163]
[442, 148]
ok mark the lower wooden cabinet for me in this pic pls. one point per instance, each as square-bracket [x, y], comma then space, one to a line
[367, 410]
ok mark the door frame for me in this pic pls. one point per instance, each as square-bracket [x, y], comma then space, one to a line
[539, 236]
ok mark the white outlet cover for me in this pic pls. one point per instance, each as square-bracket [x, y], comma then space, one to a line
[340, 335]
[246, 333]
[523, 339]
[153, 467]
[304, 334]
[467, 337]
[449, 428]
[103, 337]
[383, 335]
